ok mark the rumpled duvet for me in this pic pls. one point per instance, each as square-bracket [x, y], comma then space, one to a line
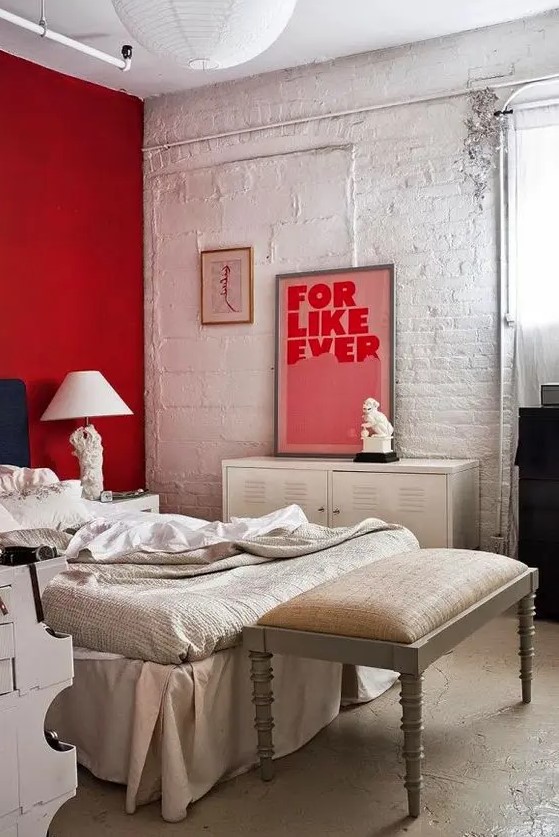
[173, 607]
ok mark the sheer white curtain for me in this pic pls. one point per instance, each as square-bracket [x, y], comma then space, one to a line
[534, 259]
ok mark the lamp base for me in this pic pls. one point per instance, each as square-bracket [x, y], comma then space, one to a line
[88, 449]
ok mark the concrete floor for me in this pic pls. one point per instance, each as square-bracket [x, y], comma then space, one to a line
[491, 765]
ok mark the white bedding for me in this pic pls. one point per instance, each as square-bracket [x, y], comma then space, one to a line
[57, 506]
[8, 523]
[173, 732]
[174, 607]
[128, 532]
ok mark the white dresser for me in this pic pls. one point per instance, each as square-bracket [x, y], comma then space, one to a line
[35, 779]
[438, 499]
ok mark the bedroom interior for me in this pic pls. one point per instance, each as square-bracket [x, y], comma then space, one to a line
[301, 275]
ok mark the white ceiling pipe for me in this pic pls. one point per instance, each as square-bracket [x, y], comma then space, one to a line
[319, 117]
[42, 30]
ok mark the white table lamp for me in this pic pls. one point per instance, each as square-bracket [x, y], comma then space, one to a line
[83, 395]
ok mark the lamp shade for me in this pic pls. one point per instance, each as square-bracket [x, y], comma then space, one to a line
[205, 34]
[85, 394]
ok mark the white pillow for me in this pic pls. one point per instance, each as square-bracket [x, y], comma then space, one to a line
[14, 478]
[8, 523]
[73, 486]
[57, 506]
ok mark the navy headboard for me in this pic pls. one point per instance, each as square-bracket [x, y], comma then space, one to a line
[14, 428]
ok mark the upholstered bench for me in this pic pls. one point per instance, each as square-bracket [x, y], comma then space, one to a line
[400, 613]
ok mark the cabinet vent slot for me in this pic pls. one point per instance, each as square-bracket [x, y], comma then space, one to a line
[295, 492]
[411, 499]
[254, 491]
[365, 498]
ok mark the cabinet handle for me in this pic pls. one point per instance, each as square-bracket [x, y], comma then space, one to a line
[336, 511]
[321, 509]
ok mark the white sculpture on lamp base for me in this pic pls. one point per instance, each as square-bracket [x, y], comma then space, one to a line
[376, 435]
[86, 442]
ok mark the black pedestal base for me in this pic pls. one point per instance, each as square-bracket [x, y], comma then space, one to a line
[376, 457]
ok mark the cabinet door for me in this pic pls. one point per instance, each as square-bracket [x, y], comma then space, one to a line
[417, 501]
[253, 492]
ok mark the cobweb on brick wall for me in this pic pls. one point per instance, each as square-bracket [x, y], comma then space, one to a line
[482, 140]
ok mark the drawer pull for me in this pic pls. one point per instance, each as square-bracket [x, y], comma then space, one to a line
[336, 511]
[52, 739]
[3, 608]
[321, 509]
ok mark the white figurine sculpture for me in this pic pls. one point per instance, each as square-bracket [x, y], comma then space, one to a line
[86, 442]
[376, 435]
[374, 423]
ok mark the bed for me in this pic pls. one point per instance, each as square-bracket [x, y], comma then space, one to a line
[170, 717]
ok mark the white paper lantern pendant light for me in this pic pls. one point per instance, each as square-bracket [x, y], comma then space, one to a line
[206, 34]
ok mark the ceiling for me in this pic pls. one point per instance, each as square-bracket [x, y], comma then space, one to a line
[319, 30]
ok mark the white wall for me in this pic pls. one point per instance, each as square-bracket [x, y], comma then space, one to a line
[387, 186]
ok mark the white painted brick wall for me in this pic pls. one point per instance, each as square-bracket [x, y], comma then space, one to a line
[370, 188]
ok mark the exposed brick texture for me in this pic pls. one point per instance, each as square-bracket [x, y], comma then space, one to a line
[387, 186]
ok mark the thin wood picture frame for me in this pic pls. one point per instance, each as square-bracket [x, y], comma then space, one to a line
[328, 360]
[227, 286]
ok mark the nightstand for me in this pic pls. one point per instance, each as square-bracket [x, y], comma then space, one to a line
[143, 502]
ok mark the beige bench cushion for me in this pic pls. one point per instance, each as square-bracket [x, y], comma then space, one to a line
[399, 599]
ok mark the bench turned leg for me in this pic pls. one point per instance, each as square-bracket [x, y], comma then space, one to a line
[411, 701]
[526, 631]
[262, 697]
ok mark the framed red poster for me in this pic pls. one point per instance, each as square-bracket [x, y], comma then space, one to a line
[334, 349]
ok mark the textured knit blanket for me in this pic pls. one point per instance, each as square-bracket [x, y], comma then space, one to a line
[183, 607]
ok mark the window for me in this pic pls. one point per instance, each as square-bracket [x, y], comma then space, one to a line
[534, 246]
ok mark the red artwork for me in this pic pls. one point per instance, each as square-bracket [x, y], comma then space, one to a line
[334, 349]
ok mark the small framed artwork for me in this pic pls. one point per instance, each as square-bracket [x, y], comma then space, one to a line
[334, 349]
[227, 286]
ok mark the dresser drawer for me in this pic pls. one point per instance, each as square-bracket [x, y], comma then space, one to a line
[9, 790]
[6, 678]
[539, 510]
[6, 659]
[6, 605]
[44, 773]
[6, 641]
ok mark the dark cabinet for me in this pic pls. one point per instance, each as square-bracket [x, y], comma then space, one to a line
[538, 502]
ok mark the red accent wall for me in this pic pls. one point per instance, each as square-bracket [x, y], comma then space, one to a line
[71, 242]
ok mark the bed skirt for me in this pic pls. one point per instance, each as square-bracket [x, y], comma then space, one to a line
[173, 732]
